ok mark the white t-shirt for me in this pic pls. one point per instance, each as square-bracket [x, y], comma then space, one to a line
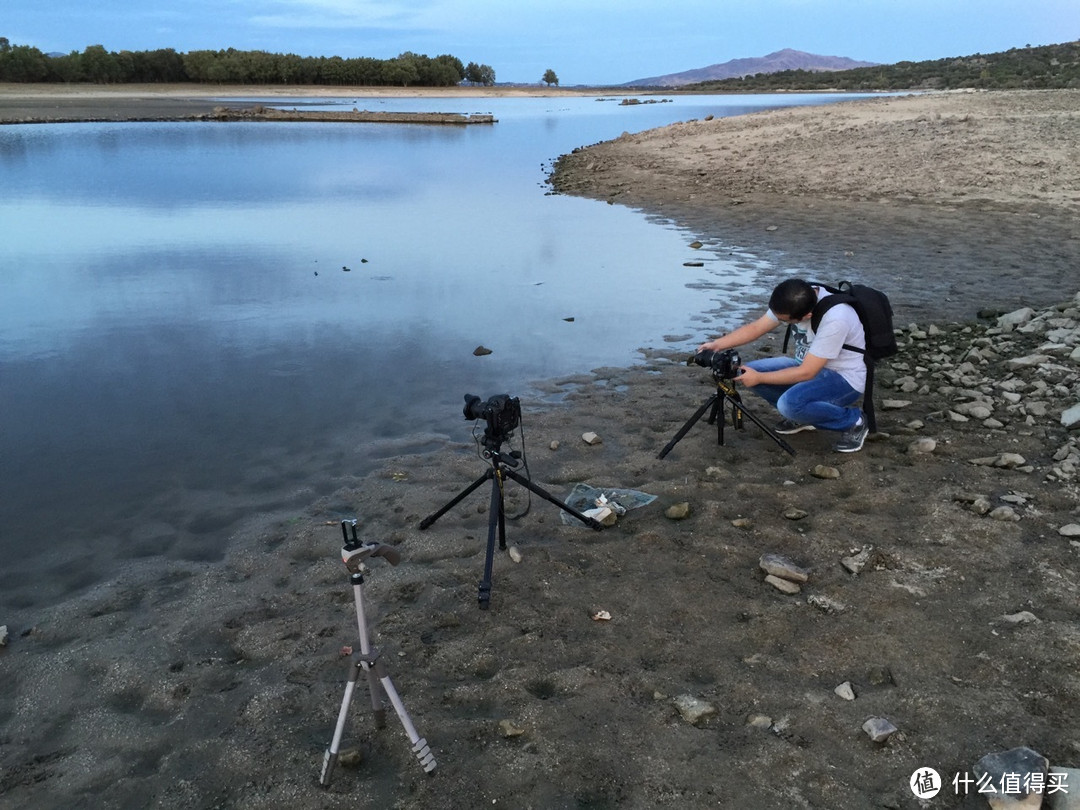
[838, 326]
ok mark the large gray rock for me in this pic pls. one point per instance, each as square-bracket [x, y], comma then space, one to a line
[1071, 417]
[1003, 775]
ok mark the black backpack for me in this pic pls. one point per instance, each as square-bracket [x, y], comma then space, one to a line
[876, 316]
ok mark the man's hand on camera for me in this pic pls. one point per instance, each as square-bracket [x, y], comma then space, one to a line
[748, 376]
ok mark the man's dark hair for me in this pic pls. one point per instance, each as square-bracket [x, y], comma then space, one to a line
[794, 298]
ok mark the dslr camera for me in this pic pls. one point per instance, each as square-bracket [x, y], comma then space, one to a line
[724, 364]
[501, 412]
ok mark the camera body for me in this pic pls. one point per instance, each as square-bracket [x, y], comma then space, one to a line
[725, 365]
[501, 412]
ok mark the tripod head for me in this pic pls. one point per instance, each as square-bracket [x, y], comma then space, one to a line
[354, 552]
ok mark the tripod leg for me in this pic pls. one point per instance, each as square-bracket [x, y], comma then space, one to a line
[331, 756]
[768, 431]
[456, 500]
[496, 525]
[547, 496]
[420, 746]
[689, 424]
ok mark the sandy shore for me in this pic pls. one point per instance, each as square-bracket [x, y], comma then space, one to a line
[908, 192]
[219, 684]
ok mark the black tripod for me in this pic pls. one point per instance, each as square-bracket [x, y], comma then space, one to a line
[502, 465]
[367, 660]
[725, 392]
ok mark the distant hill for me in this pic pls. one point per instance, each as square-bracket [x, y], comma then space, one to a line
[786, 59]
[1038, 67]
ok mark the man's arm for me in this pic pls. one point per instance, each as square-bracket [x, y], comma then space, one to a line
[744, 334]
[806, 370]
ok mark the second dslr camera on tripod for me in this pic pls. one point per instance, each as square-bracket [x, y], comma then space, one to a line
[725, 365]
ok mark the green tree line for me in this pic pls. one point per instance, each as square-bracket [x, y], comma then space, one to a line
[1042, 67]
[23, 63]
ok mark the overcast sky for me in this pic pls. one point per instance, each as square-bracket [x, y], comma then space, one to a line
[583, 41]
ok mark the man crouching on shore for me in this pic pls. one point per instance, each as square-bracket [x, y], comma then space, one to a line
[819, 386]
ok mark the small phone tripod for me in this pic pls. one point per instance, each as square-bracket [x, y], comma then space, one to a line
[502, 465]
[353, 555]
[725, 392]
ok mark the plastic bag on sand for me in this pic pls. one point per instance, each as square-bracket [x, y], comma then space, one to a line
[583, 497]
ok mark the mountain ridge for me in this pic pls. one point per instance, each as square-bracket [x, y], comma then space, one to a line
[785, 59]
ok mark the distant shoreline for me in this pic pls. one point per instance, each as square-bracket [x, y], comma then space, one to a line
[44, 103]
[68, 103]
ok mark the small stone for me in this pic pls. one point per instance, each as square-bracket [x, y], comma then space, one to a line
[782, 567]
[922, 446]
[515, 555]
[1010, 461]
[591, 438]
[1070, 530]
[762, 721]
[554, 445]
[742, 523]
[825, 604]
[1030, 361]
[857, 562]
[881, 676]
[1004, 513]
[351, 758]
[678, 511]
[783, 585]
[823, 471]
[879, 729]
[845, 690]
[693, 709]
[480, 351]
[1023, 617]
[894, 404]
[508, 729]
[794, 513]
[3, 635]
[696, 244]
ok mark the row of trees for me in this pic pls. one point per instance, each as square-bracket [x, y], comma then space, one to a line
[22, 63]
[1042, 67]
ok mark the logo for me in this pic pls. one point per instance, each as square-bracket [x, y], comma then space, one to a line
[925, 783]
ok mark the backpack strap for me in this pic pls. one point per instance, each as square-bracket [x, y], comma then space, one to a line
[841, 295]
[830, 302]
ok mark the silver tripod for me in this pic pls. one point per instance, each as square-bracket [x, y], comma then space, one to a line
[353, 555]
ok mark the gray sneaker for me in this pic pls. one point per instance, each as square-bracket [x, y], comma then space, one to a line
[852, 439]
[786, 427]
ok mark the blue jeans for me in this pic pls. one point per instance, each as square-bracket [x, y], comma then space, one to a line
[826, 401]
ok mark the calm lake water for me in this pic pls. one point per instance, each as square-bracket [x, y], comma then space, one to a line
[182, 346]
